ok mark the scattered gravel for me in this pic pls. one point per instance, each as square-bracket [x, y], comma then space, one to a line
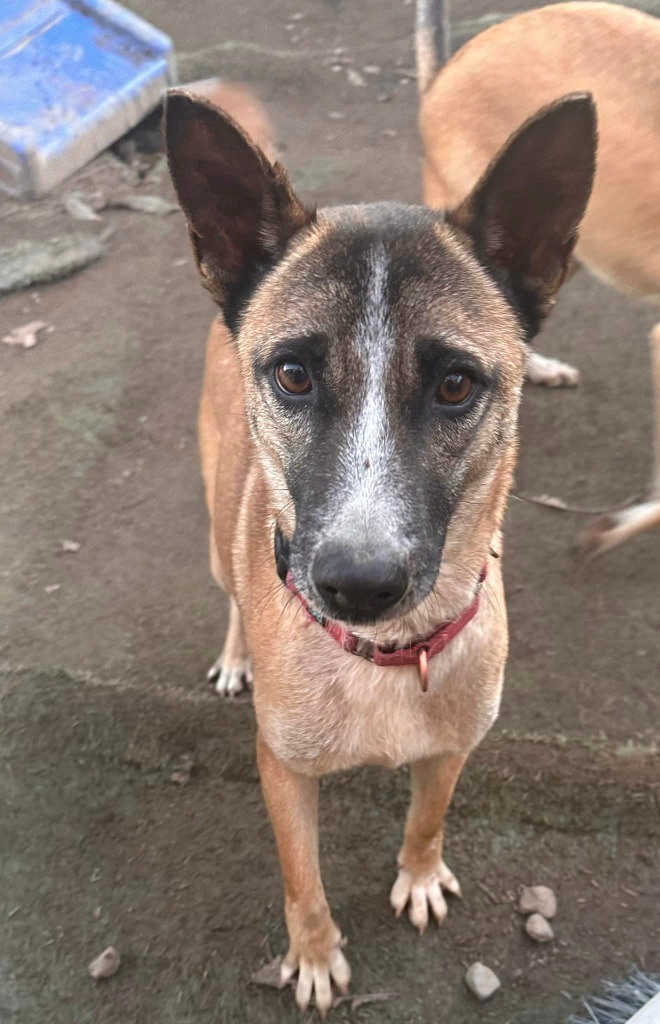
[538, 899]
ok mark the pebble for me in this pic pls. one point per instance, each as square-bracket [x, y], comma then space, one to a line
[481, 981]
[105, 965]
[183, 771]
[355, 78]
[538, 899]
[539, 929]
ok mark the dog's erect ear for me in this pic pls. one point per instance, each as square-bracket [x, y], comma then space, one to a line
[241, 209]
[524, 214]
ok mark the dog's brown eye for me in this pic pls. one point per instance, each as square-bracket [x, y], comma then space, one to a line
[455, 388]
[293, 378]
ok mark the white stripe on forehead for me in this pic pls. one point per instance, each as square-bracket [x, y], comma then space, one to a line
[366, 454]
[374, 341]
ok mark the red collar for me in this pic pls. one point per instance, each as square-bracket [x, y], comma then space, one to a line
[419, 653]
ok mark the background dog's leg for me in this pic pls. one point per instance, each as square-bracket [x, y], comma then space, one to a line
[315, 950]
[550, 373]
[423, 874]
[232, 671]
[613, 529]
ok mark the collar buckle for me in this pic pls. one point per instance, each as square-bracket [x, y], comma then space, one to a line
[423, 669]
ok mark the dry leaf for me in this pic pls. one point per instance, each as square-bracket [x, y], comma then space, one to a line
[77, 207]
[269, 974]
[144, 204]
[25, 336]
[547, 501]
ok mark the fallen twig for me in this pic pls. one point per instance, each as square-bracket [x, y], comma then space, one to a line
[559, 505]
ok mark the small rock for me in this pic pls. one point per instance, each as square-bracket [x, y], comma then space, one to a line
[52, 588]
[355, 78]
[29, 263]
[539, 929]
[371, 69]
[183, 771]
[481, 981]
[336, 115]
[105, 965]
[538, 899]
[70, 546]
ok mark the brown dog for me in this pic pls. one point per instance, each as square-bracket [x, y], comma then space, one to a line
[358, 434]
[470, 107]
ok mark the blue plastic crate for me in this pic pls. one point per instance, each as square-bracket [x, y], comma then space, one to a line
[75, 75]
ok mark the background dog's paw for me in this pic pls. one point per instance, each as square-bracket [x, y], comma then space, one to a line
[315, 979]
[550, 373]
[613, 529]
[421, 893]
[230, 680]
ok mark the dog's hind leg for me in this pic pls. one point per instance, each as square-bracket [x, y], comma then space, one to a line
[552, 373]
[423, 873]
[611, 530]
[231, 673]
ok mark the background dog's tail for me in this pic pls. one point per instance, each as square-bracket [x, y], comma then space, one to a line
[431, 40]
[241, 104]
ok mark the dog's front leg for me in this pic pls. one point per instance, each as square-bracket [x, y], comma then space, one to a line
[423, 873]
[315, 941]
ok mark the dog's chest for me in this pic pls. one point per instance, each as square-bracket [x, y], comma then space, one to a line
[341, 711]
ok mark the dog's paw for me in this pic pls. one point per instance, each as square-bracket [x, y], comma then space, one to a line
[613, 529]
[550, 373]
[418, 894]
[315, 979]
[230, 680]
[316, 954]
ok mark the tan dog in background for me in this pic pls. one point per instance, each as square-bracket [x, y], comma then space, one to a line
[358, 432]
[472, 102]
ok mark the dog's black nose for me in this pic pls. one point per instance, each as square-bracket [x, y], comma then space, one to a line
[358, 585]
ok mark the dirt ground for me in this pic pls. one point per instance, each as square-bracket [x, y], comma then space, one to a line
[102, 678]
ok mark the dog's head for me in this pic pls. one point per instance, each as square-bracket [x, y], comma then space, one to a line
[382, 348]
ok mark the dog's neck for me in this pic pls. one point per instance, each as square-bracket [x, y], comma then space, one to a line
[417, 652]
